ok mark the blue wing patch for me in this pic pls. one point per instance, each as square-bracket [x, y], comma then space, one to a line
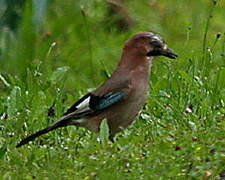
[107, 100]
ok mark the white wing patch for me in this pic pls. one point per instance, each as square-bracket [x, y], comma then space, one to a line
[83, 106]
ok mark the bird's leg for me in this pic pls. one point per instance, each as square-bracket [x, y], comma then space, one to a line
[111, 138]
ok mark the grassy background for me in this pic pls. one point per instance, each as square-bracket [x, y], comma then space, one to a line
[55, 56]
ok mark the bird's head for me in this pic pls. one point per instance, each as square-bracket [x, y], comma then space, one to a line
[150, 45]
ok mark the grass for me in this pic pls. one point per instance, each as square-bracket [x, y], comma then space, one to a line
[180, 133]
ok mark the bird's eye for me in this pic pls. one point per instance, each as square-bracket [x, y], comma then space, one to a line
[156, 44]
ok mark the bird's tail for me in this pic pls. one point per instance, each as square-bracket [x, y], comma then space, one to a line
[61, 123]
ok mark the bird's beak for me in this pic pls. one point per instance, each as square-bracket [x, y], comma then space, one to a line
[168, 53]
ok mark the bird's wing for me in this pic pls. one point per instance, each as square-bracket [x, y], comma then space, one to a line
[91, 103]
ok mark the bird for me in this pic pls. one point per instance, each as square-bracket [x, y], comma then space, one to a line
[120, 98]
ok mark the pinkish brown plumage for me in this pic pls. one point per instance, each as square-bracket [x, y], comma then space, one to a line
[122, 96]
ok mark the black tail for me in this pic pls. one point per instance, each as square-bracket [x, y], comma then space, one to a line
[61, 123]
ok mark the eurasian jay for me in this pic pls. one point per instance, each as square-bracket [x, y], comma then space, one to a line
[122, 96]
